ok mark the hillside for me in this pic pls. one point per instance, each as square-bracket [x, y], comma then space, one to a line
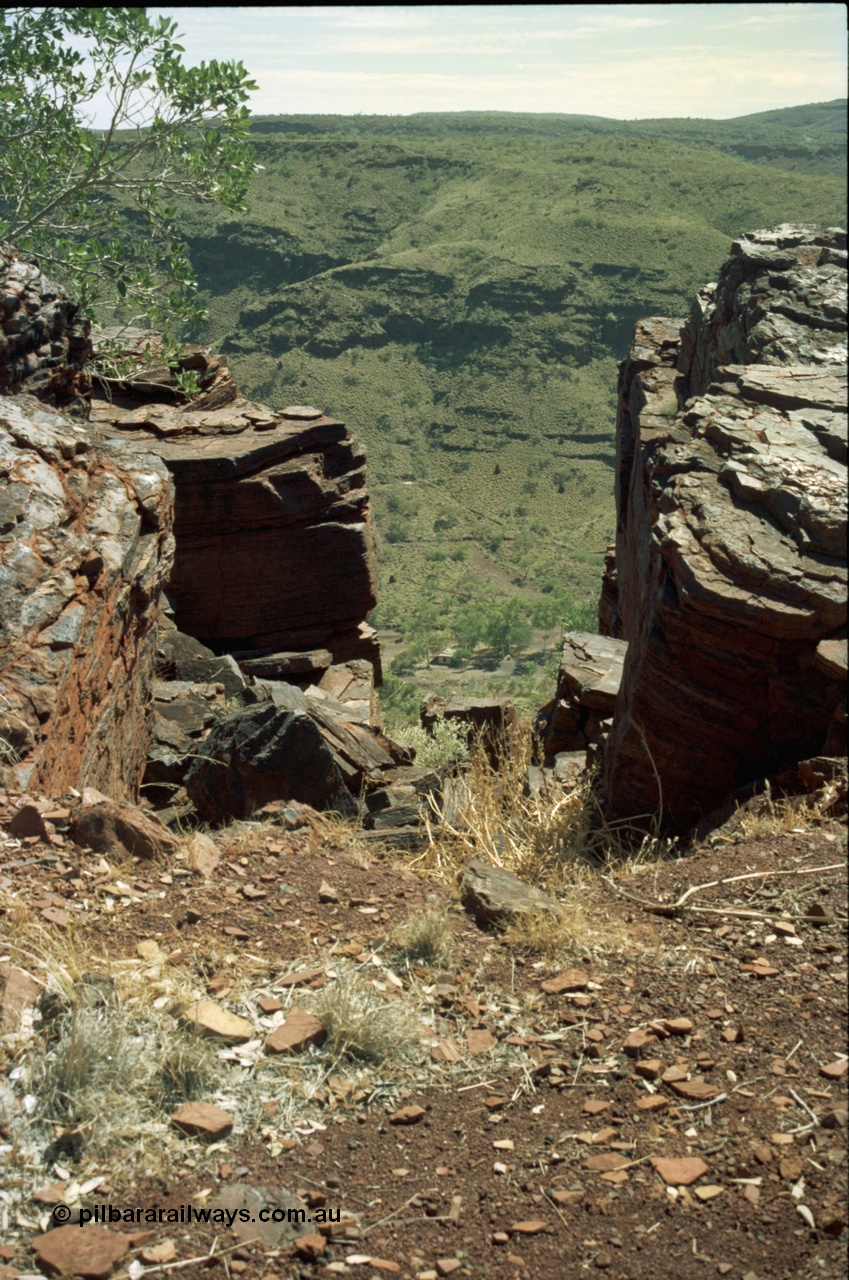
[459, 288]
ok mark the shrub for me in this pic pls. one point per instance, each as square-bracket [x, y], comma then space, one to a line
[445, 747]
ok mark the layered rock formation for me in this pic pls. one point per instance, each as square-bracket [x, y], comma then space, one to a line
[43, 342]
[579, 716]
[730, 583]
[268, 550]
[85, 547]
[275, 542]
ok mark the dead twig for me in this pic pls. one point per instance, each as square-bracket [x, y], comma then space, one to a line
[675, 909]
[755, 875]
[427, 1191]
[699, 1106]
[190, 1262]
[794, 1095]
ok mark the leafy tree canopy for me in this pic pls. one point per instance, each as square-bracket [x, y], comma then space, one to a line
[97, 206]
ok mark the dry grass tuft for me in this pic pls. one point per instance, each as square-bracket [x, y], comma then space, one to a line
[574, 929]
[422, 937]
[364, 1027]
[244, 839]
[93, 1075]
[767, 816]
[188, 1070]
[550, 838]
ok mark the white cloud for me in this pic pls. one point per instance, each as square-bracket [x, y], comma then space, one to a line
[677, 81]
[616, 60]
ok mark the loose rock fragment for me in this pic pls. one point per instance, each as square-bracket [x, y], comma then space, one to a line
[571, 980]
[202, 1118]
[681, 1171]
[479, 1042]
[297, 1033]
[408, 1115]
[221, 1024]
[90, 1252]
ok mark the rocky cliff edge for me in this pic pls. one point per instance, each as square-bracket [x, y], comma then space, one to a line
[256, 521]
[729, 584]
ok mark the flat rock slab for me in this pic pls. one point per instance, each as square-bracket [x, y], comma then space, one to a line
[591, 669]
[213, 1020]
[90, 1252]
[694, 1090]
[279, 666]
[300, 978]
[297, 1033]
[239, 1197]
[495, 896]
[202, 1119]
[680, 1172]
[571, 980]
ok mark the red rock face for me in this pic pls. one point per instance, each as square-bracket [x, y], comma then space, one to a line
[275, 541]
[85, 547]
[731, 538]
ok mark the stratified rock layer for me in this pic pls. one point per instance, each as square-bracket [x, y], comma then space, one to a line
[44, 344]
[85, 547]
[731, 536]
[275, 543]
[587, 687]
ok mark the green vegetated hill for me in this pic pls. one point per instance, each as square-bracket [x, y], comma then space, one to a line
[459, 289]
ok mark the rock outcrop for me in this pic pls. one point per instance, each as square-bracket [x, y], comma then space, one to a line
[579, 717]
[257, 521]
[44, 345]
[273, 527]
[85, 548]
[492, 720]
[731, 534]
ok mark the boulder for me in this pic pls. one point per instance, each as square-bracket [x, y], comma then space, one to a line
[587, 687]
[114, 826]
[731, 534]
[183, 658]
[262, 753]
[496, 897]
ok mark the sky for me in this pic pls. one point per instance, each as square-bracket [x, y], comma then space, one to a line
[622, 61]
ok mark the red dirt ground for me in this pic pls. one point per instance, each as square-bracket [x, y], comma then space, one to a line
[767, 1032]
